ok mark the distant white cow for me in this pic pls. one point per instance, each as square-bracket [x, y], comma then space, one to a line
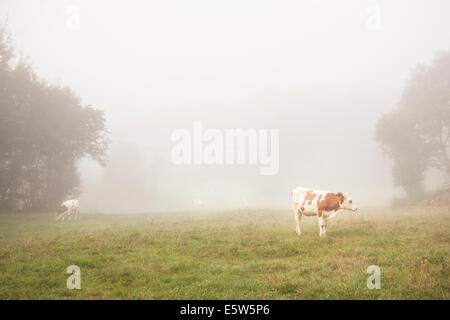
[198, 203]
[69, 208]
[323, 204]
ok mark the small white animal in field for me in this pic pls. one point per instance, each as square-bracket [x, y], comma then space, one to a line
[244, 206]
[323, 204]
[198, 203]
[69, 208]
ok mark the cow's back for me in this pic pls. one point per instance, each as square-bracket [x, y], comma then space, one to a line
[306, 200]
[298, 194]
[71, 204]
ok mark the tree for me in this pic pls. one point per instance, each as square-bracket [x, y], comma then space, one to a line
[44, 131]
[416, 134]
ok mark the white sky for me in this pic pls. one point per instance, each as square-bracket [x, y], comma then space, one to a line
[154, 66]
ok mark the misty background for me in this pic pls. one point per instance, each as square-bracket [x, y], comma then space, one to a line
[321, 72]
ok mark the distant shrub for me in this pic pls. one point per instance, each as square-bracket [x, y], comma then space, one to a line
[438, 197]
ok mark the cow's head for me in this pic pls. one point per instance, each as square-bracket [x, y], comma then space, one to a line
[346, 202]
[61, 210]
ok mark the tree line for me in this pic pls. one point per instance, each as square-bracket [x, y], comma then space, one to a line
[44, 131]
[416, 135]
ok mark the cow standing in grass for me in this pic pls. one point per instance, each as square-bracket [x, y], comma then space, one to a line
[323, 204]
[69, 208]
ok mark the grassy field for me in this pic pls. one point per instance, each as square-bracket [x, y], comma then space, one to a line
[226, 255]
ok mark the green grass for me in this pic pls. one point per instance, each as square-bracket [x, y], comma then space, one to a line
[226, 255]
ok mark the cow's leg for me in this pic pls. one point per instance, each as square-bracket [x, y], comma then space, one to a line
[76, 214]
[64, 215]
[322, 226]
[298, 218]
[69, 214]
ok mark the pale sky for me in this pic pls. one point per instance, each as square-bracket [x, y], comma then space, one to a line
[320, 71]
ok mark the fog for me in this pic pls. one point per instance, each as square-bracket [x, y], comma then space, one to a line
[322, 72]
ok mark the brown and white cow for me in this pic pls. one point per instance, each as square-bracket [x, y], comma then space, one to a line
[323, 204]
[68, 208]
